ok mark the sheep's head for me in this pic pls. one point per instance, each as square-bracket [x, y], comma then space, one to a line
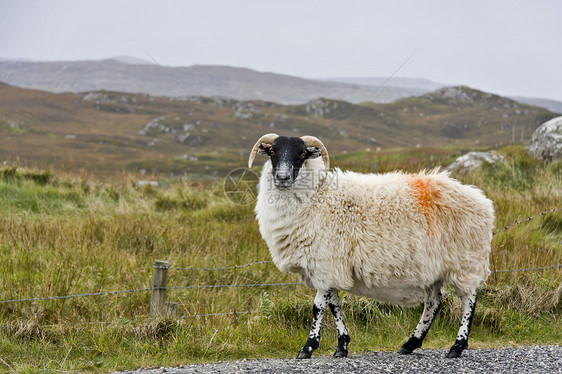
[288, 155]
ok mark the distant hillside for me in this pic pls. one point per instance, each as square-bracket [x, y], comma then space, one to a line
[417, 83]
[124, 74]
[109, 132]
[131, 60]
[552, 105]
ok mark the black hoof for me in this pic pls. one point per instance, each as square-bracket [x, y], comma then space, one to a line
[343, 342]
[453, 354]
[340, 353]
[307, 349]
[410, 345]
[305, 352]
[456, 350]
[404, 351]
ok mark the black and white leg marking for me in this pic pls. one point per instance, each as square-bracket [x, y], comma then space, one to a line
[322, 300]
[461, 343]
[431, 307]
[343, 335]
[320, 304]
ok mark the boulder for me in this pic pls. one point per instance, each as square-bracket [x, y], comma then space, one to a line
[546, 142]
[472, 160]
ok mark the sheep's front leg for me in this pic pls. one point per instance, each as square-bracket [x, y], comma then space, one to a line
[431, 307]
[320, 303]
[461, 343]
[343, 336]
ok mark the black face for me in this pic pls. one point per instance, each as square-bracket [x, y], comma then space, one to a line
[287, 156]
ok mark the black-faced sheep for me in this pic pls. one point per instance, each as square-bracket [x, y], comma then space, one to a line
[394, 237]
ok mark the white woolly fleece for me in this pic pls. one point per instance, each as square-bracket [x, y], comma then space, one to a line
[386, 236]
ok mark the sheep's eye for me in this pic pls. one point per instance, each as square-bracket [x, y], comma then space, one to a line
[303, 155]
[271, 152]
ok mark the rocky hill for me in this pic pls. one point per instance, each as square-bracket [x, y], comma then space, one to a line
[197, 80]
[108, 132]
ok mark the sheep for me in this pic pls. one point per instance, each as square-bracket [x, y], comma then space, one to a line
[395, 237]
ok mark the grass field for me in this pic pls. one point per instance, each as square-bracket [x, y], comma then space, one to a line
[61, 234]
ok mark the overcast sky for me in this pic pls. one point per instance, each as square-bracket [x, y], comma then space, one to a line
[505, 47]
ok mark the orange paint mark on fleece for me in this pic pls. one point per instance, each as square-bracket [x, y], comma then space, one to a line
[424, 194]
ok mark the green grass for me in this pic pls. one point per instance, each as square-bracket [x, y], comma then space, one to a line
[64, 235]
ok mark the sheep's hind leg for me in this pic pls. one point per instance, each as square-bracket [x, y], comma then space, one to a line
[431, 307]
[343, 336]
[320, 303]
[461, 343]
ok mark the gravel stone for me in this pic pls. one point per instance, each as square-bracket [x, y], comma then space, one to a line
[540, 359]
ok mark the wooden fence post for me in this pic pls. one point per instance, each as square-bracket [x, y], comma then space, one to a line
[159, 284]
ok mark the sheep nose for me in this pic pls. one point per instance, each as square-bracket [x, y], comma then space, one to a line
[283, 176]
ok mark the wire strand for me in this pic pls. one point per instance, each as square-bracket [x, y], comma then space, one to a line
[526, 219]
[231, 285]
[532, 269]
[145, 289]
[211, 269]
[77, 295]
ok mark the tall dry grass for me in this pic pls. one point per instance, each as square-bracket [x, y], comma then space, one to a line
[61, 235]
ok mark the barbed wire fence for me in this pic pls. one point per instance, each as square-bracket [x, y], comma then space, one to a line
[161, 307]
[526, 220]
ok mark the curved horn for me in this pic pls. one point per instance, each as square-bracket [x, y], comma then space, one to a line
[312, 141]
[267, 138]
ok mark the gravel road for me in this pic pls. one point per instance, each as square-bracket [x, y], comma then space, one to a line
[542, 359]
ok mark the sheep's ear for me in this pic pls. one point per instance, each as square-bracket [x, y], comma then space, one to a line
[263, 148]
[314, 152]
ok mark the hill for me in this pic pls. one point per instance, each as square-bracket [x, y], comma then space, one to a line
[125, 75]
[419, 83]
[552, 105]
[107, 132]
[133, 75]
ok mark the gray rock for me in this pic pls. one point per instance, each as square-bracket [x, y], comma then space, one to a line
[456, 94]
[546, 142]
[472, 160]
[245, 110]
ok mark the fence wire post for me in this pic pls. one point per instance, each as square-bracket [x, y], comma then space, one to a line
[159, 284]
